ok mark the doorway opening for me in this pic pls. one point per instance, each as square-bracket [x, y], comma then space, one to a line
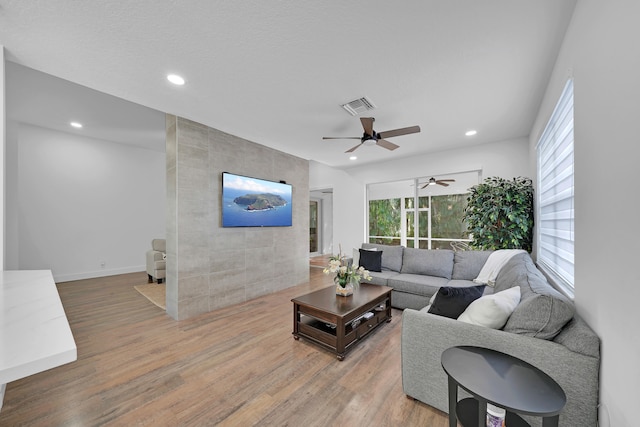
[320, 222]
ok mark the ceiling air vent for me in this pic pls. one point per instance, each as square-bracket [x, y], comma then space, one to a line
[358, 106]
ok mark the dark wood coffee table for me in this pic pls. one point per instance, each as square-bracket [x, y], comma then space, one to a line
[337, 323]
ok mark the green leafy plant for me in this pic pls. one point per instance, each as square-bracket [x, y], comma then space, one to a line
[499, 214]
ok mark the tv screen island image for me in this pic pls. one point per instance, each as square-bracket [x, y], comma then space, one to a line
[254, 202]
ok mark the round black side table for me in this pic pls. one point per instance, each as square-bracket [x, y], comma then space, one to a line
[502, 380]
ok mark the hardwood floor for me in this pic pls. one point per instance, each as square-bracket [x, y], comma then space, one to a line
[321, 261]
[238, 366]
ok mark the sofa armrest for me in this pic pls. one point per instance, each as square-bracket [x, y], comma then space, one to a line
[425, 336]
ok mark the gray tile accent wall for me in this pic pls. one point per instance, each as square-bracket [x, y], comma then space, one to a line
[208, 266]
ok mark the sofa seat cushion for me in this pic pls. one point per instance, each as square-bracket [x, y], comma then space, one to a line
[543, 311]
[437, 263]
[468, 264]
[391, 255]
[381, 277]
[417, 284]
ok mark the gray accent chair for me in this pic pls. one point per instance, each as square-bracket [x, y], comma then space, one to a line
[156, 264]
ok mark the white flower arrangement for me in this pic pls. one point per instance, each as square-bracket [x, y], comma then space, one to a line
[345, 274]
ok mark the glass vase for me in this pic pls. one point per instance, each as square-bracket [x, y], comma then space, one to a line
[345, 290]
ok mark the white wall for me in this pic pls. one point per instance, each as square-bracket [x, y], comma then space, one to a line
[348, 204]
[79, 202]
[507, 159]
[2, 160]
[601, 51]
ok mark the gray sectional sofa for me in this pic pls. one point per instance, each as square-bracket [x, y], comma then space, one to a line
[416, 274]
[543, 330]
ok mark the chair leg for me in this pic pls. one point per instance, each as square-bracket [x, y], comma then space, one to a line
[159, 281]
[150, 278]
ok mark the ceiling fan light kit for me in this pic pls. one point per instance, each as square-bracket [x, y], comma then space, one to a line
[371, 137]
[433, 181]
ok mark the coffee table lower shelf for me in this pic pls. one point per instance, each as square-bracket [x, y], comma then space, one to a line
[329, 337]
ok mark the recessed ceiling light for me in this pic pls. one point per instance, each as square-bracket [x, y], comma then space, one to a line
[175, 79]
[76, 125]
[471, 132]
[353, 158]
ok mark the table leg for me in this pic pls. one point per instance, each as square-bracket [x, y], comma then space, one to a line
[340, 332]
[550, 421]
[296, 320]
[482, 412]
[453, 402]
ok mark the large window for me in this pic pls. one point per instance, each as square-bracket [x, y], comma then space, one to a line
[410, 214]
[555, 213]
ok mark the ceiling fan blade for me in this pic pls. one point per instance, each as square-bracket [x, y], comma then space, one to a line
[386, 144]
[351, 150]
[424, 186]
[446, 180]
[442, 183]
[340, 137]
[398, 132]
[367, 125]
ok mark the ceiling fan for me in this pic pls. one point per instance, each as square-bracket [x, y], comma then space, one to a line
[433, 181]
[371, 137]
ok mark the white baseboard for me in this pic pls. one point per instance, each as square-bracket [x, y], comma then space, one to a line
[99, 273]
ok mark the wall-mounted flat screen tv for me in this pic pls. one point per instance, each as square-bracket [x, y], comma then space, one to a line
[254, 202]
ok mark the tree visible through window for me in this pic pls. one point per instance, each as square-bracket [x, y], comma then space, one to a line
[446, 220]
[384, 221]
[439, 221]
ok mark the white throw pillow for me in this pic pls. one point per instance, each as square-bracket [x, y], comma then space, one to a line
[356, 257]
[492, 311]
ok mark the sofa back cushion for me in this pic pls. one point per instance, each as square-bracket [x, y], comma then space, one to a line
[543, 311]
[391, 255]
[427, 262]
[578, 337]
[467, 264]
[159, 245]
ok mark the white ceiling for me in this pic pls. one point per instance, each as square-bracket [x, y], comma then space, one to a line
[276, 72]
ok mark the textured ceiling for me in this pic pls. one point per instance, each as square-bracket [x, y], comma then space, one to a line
[276, 72]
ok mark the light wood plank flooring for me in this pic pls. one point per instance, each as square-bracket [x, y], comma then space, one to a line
[237, 366]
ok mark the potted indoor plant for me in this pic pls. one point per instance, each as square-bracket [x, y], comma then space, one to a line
[499, 214]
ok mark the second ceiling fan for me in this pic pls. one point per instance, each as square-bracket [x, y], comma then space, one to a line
[371, 137]
[433, 181]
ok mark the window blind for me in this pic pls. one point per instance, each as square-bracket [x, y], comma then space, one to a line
[555, 245]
